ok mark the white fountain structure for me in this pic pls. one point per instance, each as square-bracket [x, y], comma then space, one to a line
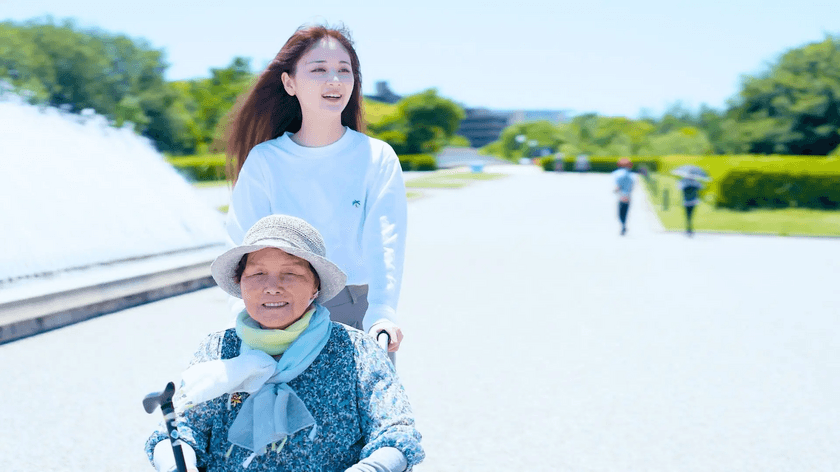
[83, 202]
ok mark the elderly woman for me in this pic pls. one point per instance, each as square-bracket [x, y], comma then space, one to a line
[287, 389]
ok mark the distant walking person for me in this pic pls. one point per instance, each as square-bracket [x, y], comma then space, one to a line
[691, 197]
[624, 180]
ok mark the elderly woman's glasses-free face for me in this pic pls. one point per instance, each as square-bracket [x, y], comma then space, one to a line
[277, 287]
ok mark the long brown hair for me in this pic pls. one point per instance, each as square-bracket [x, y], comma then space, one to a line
[266, 111]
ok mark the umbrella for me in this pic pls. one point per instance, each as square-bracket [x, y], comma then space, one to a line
[689, 171]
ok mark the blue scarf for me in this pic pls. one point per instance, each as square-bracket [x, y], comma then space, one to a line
[277, 409]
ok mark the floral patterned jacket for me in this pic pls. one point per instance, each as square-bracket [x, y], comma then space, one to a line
[352, 391]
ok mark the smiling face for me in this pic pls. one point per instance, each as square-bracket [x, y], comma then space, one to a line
[277, 287]
[323, 79]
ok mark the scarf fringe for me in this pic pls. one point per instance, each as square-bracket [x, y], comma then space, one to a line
[247, 461]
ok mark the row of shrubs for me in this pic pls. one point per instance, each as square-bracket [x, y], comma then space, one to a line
[747, 186]
[745, 182]
[745, 189]
[719, 165]
[418, 162]
[599, 164]
[211, 167]
[201, 168]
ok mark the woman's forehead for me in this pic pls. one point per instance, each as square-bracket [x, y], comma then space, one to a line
[327, 48]
[274, 256]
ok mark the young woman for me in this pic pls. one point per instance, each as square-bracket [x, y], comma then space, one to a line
[298, 146]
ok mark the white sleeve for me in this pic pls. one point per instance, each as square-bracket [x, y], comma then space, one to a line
[164, 458]
[250, 199]
[386, 459]
[383, 240]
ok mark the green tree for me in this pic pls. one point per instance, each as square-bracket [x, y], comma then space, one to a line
[794, 107]
[185, 107]
[522, 139]
[619, 136]
[25, 66]
[421, 123]
[392, 128]
[458, 141]
[114, 75]
[713, 123]
[215, 96]
[686, 140]
[675, 117]
[605, 135]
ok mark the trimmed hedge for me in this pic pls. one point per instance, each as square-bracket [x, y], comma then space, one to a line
[609, 164]
[418, 162]
[745, 189]
[718, 165]
[743, 182]
[211, 167]
[547, 163]
[201, 168]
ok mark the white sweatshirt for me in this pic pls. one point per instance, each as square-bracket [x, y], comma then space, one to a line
[351, 191]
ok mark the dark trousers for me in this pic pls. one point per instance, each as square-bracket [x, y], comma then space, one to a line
[349, 306]
[689, 211]
[623, 207]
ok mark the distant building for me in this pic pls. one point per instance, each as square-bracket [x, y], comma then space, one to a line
[482, 126]
[554, 116]
[384, 94]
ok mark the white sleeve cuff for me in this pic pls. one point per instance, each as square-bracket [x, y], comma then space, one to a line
[377, 313]
[164, 458]
[386, 459]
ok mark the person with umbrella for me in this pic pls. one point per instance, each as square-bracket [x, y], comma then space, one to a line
[690, 185]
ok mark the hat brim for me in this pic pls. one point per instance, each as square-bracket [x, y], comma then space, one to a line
[223, 268]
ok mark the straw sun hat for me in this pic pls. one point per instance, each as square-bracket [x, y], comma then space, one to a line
[292, 235]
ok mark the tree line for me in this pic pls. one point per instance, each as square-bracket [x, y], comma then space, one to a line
[123, 79]
[793, 107]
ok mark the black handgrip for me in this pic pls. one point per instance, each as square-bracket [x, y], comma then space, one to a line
[164, 400]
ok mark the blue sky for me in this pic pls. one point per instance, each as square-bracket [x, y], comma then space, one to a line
[607, 56]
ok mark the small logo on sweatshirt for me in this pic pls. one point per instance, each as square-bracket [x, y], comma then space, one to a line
[356, 203]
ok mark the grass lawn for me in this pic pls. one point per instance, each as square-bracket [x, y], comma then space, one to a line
[784, 222]
[449, 179]
[212, 183]
[473, 175]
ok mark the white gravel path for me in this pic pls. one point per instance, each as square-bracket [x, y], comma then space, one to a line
[538, 339]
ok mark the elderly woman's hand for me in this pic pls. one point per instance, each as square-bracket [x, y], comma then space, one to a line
[393, 331]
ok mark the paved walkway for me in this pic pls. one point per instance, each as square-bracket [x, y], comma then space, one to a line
[538, 339]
